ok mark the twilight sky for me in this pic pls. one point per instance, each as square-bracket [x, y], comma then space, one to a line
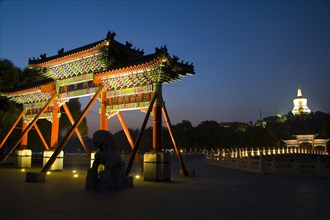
[248, 55]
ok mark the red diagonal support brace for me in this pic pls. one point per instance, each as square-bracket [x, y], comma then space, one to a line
[177, 151]
[139, 137]
[41, 136]
[73, 128]
[5, 155]
[129, 138]
[68, 113]
[11, 129]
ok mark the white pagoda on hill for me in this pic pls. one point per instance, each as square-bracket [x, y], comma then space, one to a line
[300, 104]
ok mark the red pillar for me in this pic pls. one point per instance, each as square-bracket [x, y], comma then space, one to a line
[157, 118]
[55, 126]
[103, 117]
[24, 141]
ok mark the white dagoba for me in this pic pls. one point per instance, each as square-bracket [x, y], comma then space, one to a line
[300, 104]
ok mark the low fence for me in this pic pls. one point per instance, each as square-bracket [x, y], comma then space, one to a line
[275, 161]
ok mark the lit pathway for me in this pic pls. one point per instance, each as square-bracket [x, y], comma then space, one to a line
[216, 193]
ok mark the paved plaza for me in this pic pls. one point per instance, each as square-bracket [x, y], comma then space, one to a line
[215, 193]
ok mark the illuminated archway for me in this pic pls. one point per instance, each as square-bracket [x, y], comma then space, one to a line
[121, 77]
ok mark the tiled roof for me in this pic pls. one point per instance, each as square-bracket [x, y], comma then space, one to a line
[144, 60]
[110, 62]
[36, 92]
[43, 60]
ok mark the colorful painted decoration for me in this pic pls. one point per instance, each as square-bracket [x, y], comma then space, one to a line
[126, 72]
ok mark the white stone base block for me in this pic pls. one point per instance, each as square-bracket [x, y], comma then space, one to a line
[92, 158]
[156, 166]
[58, 163]
[101, 166]
[24, 158]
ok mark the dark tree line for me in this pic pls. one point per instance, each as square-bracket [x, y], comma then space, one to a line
[211, 134]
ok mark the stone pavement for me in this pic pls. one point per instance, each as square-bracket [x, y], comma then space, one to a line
[215, 193]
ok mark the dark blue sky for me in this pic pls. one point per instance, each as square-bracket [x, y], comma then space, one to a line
[248, 55]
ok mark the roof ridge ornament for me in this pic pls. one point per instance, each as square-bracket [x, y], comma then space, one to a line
[128, 44]
[60, 51]
[43, 56]
[175, 58]
[161, 50]
[111, 35]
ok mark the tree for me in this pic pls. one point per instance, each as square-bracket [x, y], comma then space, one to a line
[184, 134]
[30, 76]
[123, 144]
[9, 111]
[9, 76]
[207, 134]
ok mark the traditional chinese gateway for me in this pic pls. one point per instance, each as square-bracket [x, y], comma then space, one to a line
[120, 76]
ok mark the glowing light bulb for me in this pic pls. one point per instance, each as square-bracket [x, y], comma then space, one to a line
[23, 170]
[48, 173]
[137, 176]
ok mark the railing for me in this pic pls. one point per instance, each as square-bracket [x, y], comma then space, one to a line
[245, 152]
[302, 162]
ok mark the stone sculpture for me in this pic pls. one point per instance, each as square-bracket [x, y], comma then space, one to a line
[112, 176]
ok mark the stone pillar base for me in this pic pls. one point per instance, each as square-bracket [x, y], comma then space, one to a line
[156, 166]
[24, 158]
[58, 163]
